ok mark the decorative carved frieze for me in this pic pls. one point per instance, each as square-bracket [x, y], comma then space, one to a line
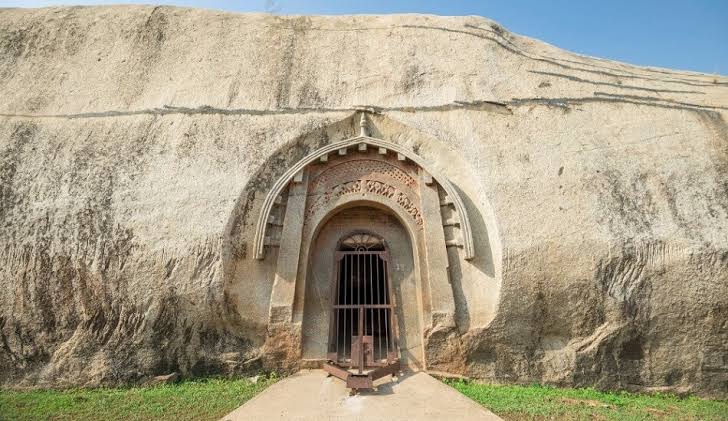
[391, 170]
[410, 207]
[362, 167]
[380, 188]
[322, 195]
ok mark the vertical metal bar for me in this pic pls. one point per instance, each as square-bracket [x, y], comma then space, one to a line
[365, 301]
[361, 339]
[334, 302]
[364, 293]
[355, 278]
[371, 301]
[350, 337]
[361, 312]
[338, 316]
[358, 279]
[365, 270]
[341, 301]
[386, 301]
[378, 301]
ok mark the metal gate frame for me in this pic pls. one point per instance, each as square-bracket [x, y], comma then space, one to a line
[361, 348]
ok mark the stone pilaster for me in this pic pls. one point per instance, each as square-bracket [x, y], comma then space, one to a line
[442, 302]
[283, 341]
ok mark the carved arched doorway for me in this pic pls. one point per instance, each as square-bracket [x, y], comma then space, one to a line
[363, 323]
[362, 300]
[362, 327]
[359, 184]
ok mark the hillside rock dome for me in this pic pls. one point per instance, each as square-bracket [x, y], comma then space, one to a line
[188, 190]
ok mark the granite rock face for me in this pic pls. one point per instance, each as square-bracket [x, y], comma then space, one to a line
[128, 134]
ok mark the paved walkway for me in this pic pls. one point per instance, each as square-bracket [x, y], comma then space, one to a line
[310, 395]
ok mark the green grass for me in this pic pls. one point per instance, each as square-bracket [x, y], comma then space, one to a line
[543, 402]
[208, 399]
[211, 399]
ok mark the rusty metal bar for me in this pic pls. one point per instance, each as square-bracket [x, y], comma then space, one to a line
[337, 371]
[361, 339]
[359, 381]
[334, 319]
[343, 356]
[386, 311]
[379, 313]
[365, 294]
[371, 302]
[351, 301]
[385, 370]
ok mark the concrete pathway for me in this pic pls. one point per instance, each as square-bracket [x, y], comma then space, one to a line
[310, 395]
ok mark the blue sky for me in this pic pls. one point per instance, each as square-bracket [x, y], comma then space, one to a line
[686, 35]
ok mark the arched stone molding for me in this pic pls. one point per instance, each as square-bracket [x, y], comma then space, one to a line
[366, 172]
[320, 218]
[274, 225]
[360, 142]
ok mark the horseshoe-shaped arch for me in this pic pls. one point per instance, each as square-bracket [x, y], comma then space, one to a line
[259, 242]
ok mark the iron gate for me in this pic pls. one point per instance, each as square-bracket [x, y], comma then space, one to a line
[363, 325]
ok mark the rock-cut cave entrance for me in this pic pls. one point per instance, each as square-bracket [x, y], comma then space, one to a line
[322, 310]
[362, 343]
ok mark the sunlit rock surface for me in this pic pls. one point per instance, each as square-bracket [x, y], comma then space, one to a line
[127, 135]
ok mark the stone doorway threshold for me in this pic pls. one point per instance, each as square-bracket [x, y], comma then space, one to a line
[310, 395]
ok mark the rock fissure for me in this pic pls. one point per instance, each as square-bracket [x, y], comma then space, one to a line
[488, 106]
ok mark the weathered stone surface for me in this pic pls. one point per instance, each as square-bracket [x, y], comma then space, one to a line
[165, 379]
[128, 136]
